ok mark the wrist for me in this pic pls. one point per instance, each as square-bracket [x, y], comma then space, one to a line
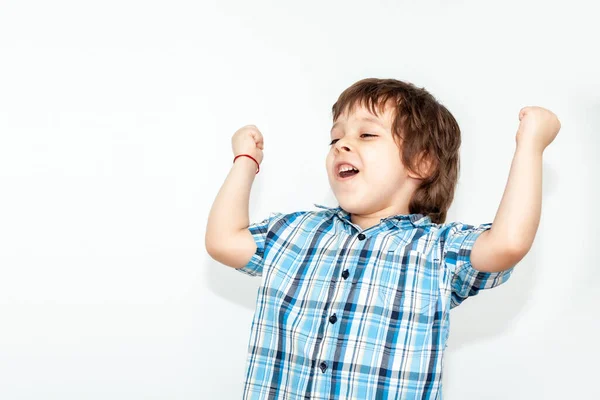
[247, 159]
[529, 147]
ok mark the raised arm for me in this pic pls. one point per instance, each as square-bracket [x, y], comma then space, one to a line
[227, 238]
[518, 217]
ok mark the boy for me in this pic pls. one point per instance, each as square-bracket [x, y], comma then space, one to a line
[354, 301]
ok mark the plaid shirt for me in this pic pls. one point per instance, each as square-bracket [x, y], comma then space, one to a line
[346, 313]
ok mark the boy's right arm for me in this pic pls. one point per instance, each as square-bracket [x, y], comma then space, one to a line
[227, 238]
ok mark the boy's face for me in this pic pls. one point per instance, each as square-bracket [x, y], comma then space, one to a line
[365, 141]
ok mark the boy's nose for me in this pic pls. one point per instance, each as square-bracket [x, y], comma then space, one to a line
[343, 146]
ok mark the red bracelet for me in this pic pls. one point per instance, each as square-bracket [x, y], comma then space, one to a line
[246, 155]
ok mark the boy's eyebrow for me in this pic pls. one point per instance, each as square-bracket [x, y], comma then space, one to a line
[366, 119]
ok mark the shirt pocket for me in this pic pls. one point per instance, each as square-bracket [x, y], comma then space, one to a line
[406, 283]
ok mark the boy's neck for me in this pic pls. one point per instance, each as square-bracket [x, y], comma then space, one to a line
[366, 221]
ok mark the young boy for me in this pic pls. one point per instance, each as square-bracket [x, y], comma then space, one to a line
[354, 301]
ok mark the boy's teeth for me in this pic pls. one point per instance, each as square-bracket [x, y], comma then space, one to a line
[347, 168]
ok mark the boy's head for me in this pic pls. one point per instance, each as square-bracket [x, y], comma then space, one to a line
[404, 144]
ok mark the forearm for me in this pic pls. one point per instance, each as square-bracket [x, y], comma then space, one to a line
[229, 213]
[518, 215]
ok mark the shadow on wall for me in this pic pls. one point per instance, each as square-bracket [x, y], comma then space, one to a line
[491, 312]
[225, 281]
[232, 285]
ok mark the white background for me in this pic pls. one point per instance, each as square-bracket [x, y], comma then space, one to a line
[116, 120]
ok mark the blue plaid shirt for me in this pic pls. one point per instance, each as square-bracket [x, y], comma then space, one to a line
[346, 313]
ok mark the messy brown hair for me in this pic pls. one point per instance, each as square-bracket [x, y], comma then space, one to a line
[428, 133]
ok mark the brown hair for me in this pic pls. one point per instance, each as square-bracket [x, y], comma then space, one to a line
[428, 133]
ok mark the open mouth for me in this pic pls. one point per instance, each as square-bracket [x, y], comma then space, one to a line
[347, 171]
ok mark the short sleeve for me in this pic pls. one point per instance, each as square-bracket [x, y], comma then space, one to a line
[259, 231]
[466, 280]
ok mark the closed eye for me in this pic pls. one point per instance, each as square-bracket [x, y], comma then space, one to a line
[364, 134]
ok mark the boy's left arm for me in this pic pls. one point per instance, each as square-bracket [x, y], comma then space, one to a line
[518, 216]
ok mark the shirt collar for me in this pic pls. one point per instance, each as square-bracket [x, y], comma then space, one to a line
[414, 219]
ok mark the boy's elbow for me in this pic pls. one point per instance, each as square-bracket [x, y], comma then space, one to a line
[210, 243]
[518, 250]
[214, 245]
[508, 258]
[232, 250]
[215, 251]
[210, 247]
[492, 255]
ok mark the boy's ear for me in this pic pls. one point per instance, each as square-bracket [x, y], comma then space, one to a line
[424, 166]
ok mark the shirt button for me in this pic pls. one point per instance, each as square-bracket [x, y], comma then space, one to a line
[345, 274]
[361, 236]
[332, 319]
[323, 366]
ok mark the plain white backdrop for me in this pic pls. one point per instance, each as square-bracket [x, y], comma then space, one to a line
[116, 120]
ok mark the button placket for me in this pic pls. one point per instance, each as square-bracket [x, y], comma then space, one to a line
[333, 318]
[346, 273]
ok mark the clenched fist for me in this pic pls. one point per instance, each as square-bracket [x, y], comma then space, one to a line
[538, 127]
[248, 140]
